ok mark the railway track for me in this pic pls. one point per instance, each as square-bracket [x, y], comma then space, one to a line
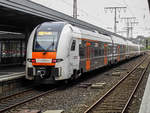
[22, 97]
[12, 101]
[117, 99]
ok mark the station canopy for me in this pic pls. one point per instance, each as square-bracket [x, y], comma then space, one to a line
[23, 15]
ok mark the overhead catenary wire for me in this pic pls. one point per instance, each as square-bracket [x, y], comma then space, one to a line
[85, 12]
[115, 10]
[128, 8]
[132, 13]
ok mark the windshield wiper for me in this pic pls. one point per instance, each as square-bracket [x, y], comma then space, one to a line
[49, 47]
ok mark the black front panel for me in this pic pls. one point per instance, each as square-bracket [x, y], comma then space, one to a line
[30, 71]
[46, 72]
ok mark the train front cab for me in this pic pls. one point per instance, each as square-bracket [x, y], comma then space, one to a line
[52, 53]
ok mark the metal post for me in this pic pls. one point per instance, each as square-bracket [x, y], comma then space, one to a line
[127, 29]
[128, 20]
[75, 8]
[132, 24]
[115, 21]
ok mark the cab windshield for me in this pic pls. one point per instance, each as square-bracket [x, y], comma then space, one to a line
[47, 36]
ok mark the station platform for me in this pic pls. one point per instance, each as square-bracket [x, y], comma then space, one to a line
[12, 72]
[145, 105]
[11, 78]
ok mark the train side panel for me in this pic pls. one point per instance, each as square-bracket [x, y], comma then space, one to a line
[94, 50]
[68, 50]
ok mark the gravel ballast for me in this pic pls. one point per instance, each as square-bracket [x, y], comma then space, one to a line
[75, 98]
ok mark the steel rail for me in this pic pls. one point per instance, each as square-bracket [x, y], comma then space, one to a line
[5, 97]
[132, 94]
[27, 100]
[109, 91]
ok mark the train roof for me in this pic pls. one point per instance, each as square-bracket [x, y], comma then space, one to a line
[101, 37]
[97, 36]
[131, 43]
[118, 40]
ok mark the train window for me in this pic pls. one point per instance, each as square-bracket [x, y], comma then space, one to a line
[73, 45]
[46, 41]
[100, 52]
[102, 49]
[96, 52]
[91, 52]
[81, 52]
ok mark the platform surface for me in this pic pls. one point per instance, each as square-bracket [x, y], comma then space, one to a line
[11, 72]
[11, 69]
[145, 105]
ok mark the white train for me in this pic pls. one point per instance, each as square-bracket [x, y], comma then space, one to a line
[59, 51]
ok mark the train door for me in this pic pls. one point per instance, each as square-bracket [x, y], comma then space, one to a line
[88, 62]
[118, 51]
[105, 54]
[74, 54]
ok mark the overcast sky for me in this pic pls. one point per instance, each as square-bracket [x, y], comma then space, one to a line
[92, 11]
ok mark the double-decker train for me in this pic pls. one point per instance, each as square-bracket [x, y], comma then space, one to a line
[59, 51]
